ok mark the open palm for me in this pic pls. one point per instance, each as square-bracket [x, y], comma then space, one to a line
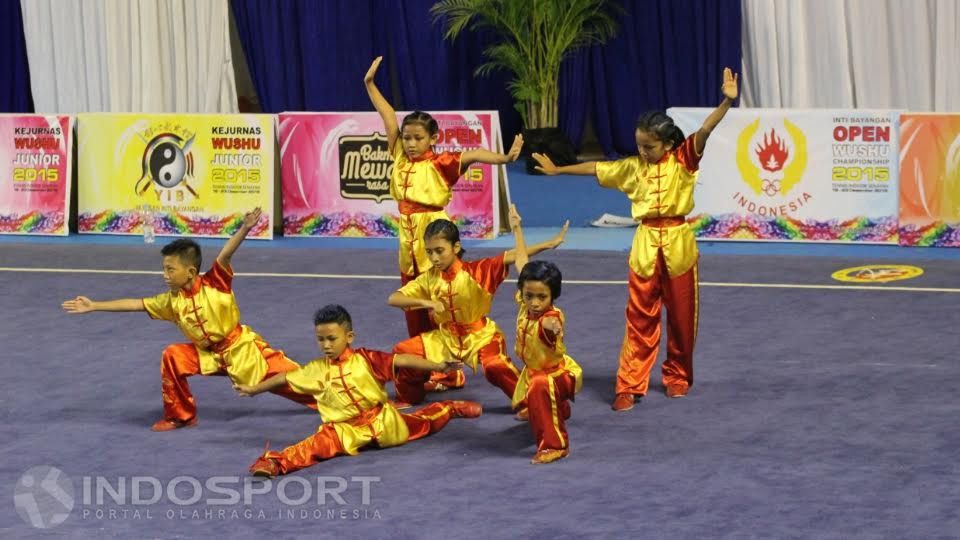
[561, 236]
[251, 218]
[730, 88]
[80, 304]
[545, 164]
[373, 69]
[515, 149]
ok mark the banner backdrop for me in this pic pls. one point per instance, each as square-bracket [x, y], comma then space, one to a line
[35, 173]
[930, 180]
[196, 174]
[335, 171]
[807, 175]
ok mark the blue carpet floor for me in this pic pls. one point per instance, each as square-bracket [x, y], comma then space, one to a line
[816, 413]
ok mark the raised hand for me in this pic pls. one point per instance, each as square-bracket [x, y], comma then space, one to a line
[80, 304]
[546, 165]
[368, 78]
[514, 217]
[515, 149]
[729, 88]
[561, 236]
[251, 218]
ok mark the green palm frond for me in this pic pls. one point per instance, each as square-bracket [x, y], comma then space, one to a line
[535, 37]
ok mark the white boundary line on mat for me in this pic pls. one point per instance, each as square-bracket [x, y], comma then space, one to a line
[568, 281]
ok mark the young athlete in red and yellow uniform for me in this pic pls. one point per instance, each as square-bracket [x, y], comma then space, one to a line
[663, 257]
[348, 387]
[204, 308]
[550, 378]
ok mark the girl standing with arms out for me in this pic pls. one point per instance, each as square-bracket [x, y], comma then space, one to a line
[422, 184]
[663, 257]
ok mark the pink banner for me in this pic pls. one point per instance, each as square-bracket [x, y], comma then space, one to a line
[335, 169]
[34, 174]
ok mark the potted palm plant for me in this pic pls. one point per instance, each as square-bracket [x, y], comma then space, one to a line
[535, 37]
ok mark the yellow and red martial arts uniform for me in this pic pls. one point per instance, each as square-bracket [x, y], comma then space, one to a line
[422, 188]
[663, 266]
[464, 332]
[352, 400]
[549, 378]
[209, 317]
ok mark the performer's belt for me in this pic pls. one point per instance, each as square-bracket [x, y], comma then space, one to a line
[663, 221]
[463, 329]
[228, 340]
[549, 370]
[409, 207]
[366, 416]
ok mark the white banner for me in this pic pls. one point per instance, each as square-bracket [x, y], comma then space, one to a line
[806, 175]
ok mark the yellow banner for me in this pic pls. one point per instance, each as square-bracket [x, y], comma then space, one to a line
[186, 174]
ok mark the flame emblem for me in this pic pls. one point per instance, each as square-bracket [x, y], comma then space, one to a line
[772, 156]
[773, 153]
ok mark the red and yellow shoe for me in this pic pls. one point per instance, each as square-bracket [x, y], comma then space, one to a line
[623, 402]
[523, 415]
[434, 386]
[466, 409]
[677, 390]
[548, 456]
[265, 466]
[170, 425]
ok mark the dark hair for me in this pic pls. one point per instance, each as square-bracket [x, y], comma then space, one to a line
[428, 122]
[333, 313]
[446, 229]
[661, 126]
[544, 271]
[186, 250]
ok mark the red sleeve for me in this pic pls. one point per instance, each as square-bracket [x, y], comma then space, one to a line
[546, 337]
[489, 272]
[381, 364]
[687, 153]
[218, 277]
[448, 165]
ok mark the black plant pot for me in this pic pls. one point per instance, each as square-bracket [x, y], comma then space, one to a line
[549, 141]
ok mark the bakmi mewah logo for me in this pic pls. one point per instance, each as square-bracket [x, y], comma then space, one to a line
[877, 273]
[167, 166]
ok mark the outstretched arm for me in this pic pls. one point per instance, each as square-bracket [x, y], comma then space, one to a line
[519, 246]
[730, 92]
[276, 381]
[250, 220]
[421, 363]
[480, 155]
[587, 168]
[510, 256]
[82, 304]
[380, 103]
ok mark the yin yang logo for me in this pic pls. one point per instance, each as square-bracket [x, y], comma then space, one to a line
[167, 162]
